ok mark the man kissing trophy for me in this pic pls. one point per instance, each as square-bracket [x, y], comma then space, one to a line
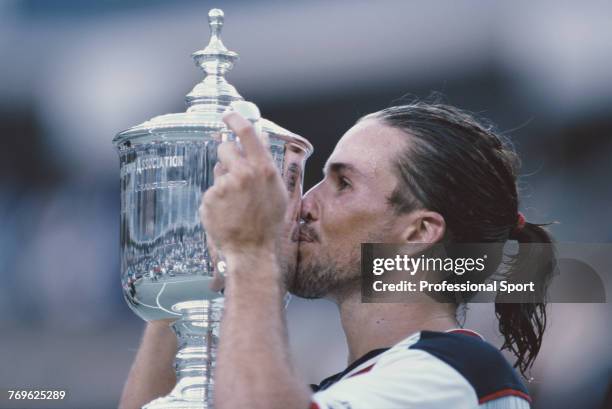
[167, 266]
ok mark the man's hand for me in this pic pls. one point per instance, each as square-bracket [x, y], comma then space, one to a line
[244, 213]
[244, 210]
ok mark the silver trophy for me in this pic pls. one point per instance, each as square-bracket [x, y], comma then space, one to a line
[167, 269]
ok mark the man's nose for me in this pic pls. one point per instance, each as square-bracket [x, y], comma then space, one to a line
[310, 208]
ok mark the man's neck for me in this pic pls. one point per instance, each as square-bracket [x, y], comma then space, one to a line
[369, 326]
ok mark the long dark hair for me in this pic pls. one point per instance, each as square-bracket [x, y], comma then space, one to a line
[461, 168]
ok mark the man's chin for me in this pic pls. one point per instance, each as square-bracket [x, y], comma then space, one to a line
[311, 280]
[297, 289]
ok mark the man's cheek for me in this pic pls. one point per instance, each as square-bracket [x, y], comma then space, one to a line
[352, 230]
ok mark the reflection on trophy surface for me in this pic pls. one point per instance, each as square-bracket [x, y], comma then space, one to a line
[166, 266]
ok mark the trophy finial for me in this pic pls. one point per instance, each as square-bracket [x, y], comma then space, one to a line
[215, 21]
[214, 93]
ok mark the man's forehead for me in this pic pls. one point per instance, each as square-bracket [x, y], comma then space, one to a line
[367, 146]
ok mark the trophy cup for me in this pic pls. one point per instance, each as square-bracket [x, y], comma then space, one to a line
[167, 271]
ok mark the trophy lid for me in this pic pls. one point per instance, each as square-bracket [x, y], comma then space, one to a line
[207, 101]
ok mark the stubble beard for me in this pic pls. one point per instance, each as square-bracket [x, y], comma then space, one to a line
[323, 276]
[326, 276]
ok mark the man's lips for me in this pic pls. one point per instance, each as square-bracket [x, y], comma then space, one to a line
[304, 234]
[305, 237]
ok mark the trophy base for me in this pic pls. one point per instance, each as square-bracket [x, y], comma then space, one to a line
[171, 402]
[189, 393]
[197, 331]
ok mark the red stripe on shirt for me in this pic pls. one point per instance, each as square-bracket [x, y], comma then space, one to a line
[364, 370]
[465, 332]
[504, 392]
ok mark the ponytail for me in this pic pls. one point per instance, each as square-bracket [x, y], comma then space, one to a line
[522, 324]
[465, 171]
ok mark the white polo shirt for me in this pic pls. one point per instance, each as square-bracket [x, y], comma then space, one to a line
[457, 369]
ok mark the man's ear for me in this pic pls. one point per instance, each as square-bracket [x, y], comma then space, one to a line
[424, 226]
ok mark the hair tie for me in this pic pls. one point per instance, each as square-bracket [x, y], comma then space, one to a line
[520, 224]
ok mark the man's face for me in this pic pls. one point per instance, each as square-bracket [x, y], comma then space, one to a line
[348, 207]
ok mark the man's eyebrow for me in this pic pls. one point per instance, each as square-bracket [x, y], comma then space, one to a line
[338, 167]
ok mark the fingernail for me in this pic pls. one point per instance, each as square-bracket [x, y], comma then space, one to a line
[234, 120]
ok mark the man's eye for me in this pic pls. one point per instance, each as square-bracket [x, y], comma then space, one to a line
[343, 183]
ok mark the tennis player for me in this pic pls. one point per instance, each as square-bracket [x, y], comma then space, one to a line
[416, 173]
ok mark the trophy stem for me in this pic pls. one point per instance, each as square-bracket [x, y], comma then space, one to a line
[197, 331]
